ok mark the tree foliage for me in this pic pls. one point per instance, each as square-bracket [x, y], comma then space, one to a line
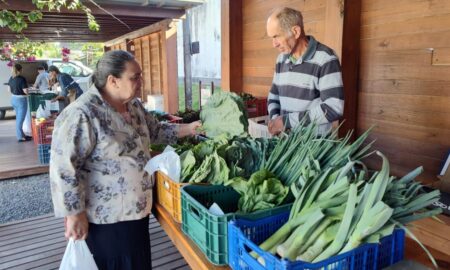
[17, 21]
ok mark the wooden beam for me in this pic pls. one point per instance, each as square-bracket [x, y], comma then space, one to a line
[117, 10]
[350, 63]
[231, 27]
[187, 63]
[160, 26]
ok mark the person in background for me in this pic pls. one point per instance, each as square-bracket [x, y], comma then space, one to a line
[307, 80]
[100, 146]
[17, 83]
[70, 90]
[41, 82]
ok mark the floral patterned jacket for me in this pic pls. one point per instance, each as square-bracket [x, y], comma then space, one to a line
[98, 158]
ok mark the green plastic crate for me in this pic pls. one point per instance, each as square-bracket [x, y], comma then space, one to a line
[209, 231]
[34, 100]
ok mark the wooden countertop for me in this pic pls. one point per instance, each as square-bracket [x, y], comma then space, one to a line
[435, 235]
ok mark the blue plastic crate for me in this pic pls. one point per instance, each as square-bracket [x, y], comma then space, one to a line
[244, 236]
[43, 151]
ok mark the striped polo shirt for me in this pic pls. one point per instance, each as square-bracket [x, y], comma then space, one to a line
[311, 87]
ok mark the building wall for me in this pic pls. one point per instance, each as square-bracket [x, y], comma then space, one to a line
[205, 28]
[405, 82]
[321, 18]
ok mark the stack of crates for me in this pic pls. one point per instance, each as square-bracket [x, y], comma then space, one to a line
[256, 107]
[209, 229]
[44, 153]
[42, 130]
[42, 136]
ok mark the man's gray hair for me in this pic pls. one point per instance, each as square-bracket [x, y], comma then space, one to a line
[289, 17]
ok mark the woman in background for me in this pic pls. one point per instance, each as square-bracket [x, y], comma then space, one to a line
[17, 83]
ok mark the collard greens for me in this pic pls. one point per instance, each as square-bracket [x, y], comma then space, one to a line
[224, 113]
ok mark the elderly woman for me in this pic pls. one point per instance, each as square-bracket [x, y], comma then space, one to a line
[99, 150]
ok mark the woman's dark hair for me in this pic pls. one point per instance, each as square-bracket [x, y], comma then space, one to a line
[17, 68]
[53, 68]
[112, 63]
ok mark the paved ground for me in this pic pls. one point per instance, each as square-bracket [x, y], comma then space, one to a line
[25, 197]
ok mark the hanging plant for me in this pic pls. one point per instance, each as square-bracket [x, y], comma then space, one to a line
[24, 50]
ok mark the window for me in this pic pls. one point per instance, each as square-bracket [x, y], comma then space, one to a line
[69, 68]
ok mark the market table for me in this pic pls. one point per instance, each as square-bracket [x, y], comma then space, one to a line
[426, 230]
[191, 253]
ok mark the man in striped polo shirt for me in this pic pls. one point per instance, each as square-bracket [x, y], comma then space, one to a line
[307, 80]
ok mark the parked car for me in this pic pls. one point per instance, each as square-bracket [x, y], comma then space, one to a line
[79, 72]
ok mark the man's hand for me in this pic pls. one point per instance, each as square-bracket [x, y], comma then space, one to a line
[76, 226]
[276, 125]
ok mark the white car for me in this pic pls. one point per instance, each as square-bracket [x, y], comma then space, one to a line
[79, 72]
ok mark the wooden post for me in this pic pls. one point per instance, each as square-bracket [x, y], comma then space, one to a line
[170, 79]
[200, 95]
[187, 62]
[212, 87]
[231, 28]
[350, 63]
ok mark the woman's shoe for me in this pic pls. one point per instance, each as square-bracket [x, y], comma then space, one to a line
[28, 138]
[22, 140]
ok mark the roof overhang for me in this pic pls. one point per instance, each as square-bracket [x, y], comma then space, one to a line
[69, 25]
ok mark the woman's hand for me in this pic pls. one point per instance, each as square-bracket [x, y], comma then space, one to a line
[76, 226]
[190, 129]
[194, 127]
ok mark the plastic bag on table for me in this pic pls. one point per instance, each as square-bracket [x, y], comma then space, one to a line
[77, 257]
[43, 113]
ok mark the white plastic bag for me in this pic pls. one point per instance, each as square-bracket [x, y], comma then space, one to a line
[26, 126]
[167, 162]
[77, 257]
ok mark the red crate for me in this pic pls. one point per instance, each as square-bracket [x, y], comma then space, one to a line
[174, 119]
[256, 107]
[42, 131]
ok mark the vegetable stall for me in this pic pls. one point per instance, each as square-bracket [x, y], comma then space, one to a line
[296, 201]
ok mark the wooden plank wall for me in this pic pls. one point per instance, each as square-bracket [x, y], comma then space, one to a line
[119, 46]
[403, 89]
[322, 20]
[154, 48]
[148, 53]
